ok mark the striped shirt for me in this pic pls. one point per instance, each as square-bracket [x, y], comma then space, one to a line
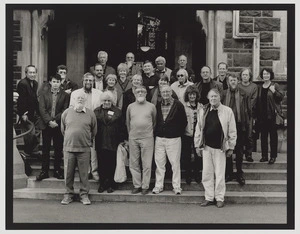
[166, 107]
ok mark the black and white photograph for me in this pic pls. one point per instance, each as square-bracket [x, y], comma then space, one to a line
[150, 116]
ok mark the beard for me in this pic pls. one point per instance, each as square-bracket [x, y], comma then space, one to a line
[141, 99]
[88, 88]
[79, 106]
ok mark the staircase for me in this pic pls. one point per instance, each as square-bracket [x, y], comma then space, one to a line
[264, 184]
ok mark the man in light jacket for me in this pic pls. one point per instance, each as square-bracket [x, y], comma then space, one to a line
[215, 139]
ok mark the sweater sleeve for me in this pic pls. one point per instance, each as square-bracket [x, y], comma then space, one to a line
[128, 118]
[93, 125]
[278, 96]
[154, 116]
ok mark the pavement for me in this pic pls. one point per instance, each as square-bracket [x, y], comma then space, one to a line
[49, 211]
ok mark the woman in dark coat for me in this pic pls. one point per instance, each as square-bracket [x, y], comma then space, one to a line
[268, 102]
[107, 140]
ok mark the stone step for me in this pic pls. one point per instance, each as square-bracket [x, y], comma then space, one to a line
[251, 185]
[195, 197]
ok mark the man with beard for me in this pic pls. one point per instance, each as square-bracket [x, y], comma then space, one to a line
[180, 86]
[241, 107]
[140, 121]
[102, 59]
[79, 127]
[215, 139]
[98, 71]
[92, 97]
[182, 62]
[223, 75]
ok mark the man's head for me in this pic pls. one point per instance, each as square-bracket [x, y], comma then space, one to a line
[191, 94]
[88, 81]
[233, 81]
[137, 80]
[140, 93]
[182, 61]
[222, 69]
[182, 76]
[55, 81]
[160, 63]
[129, 57]
[102, 57]
[62, 70]
[214, 97]
[164, 80]
[148, 67]
[205, 73]
[122, 70]
[30, 72]
[98, 70]
[111, 80]
[107, 99]
[246, 75]
[166, 92]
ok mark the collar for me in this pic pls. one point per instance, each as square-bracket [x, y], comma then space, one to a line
[211, 108]
[169, 102]
[150, 75]
[83, 110]
[161, 71]
[98, 79]
[184, 84]
[54, 91]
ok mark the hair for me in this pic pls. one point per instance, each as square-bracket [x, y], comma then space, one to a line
[233, 76]
[137, 75]
[250, 73]
[223, 63]
[106, 94]
[102, 52]
[62, 67]
[26, 68]
[123, 66]
[139, 87]
[87, 74]
[184, 71]
[269, 70]
[182, 56]
[160, 58]
[214, 90]
[97, 64]
[191, 89]
[166, 87]
[81, 93]
[148, 61]
[164, 77]
[130, 53]
[204, 67]
[111, 76]
[56, 76]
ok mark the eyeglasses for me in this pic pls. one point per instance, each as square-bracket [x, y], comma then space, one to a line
[180, 75]
[62, 72]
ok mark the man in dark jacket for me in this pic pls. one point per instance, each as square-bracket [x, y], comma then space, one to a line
[51, 105]
[170, 126]
[240, 104]
[27, 109]
[102, 59]
[206, 84]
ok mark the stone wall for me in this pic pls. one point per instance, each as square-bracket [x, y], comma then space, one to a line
[17, 46]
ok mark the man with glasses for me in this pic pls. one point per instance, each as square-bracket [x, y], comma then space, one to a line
[140, 121]
[92, 102]
[182, 62]
[181, 84]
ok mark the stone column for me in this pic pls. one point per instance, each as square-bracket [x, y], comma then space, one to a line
[210, 41]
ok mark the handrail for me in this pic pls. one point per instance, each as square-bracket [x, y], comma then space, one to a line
[24, 133]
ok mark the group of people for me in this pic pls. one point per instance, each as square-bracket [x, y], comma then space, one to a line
[158, 113]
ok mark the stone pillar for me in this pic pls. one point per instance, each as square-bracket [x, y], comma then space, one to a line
[210, 41]
[75, 52]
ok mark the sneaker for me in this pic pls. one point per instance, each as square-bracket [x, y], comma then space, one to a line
[136, 190]
[85, 200]
[177, 191]
[42, 175]
[157, 190]
[66, 200]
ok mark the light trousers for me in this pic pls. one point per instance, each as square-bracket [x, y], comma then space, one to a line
[171, 148]
[93, 168]
[141, 150]
[213, 173]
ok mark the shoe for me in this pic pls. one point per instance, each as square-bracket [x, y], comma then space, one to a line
[249, 159]
[59, 175]
[136, 190]
[100, 189]
[110, 190]
[263, 159]
[145, 191]
[207, 203]
[220, 204]
[66, 200]
[228, 178]
[157, 190]
[42, 175]
[177, 191]
[85, 200]
[272, 160]
[188, 180]
[240, 179]
[198, 179]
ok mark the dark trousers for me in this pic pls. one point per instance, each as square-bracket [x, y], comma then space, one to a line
[249, 139]
[269, 127]
[186, 156]
[242, 138]
[32, 139]
[107, 167]
[47, 135]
